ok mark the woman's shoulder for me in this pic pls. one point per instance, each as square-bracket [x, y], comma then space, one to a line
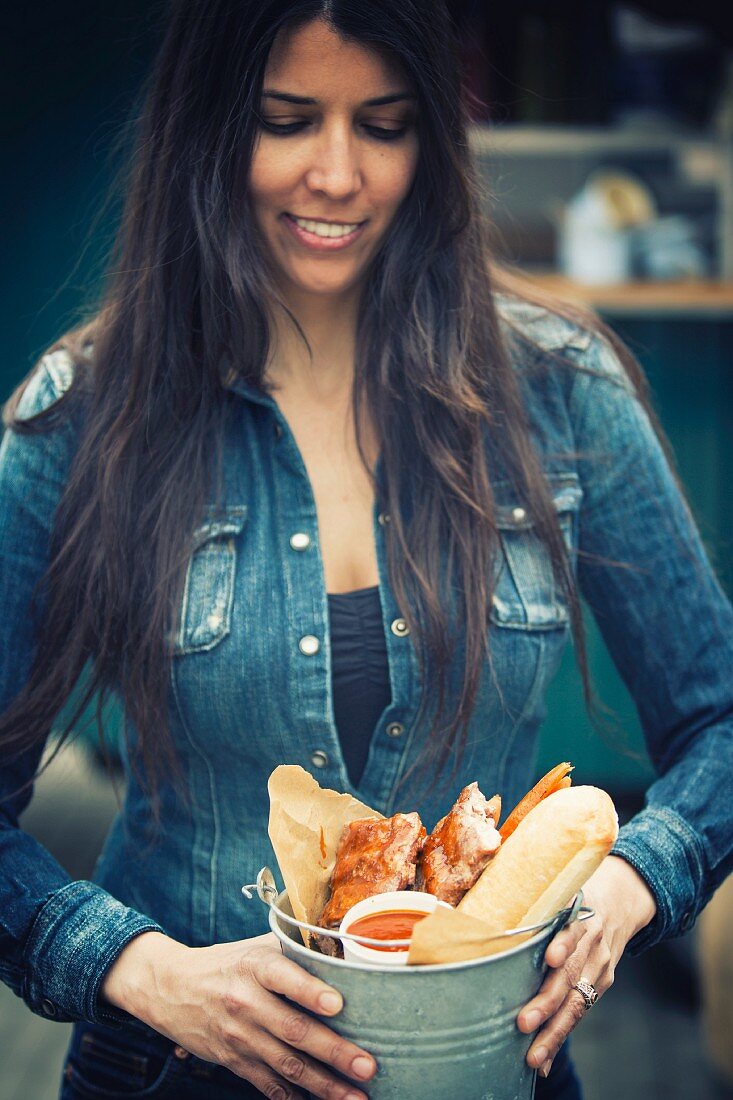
[50, 380]
[547, 328]
[559, 335]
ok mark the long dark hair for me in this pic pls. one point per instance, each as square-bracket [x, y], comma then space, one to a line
[184, 297]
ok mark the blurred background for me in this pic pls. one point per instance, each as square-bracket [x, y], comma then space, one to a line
[604, 134]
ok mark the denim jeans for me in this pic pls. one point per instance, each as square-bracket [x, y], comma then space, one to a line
[106, 1063]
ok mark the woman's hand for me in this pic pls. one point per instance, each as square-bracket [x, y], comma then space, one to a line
[623, 905]
[227, 1004]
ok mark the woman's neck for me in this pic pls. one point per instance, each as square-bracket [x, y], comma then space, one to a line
[330, 329]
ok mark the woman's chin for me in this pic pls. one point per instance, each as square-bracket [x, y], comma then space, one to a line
[322, 287]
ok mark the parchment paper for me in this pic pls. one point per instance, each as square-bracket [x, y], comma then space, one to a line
[449, 936]
[306, 823]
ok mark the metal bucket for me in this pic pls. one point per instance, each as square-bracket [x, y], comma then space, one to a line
[438, 1031]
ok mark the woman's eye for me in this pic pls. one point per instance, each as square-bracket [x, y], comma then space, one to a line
[386, 134]
[381, 133]
[282, 127]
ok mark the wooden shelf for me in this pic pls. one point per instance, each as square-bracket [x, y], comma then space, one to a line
[709, 298]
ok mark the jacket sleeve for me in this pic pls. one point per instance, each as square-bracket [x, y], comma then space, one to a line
[57, 937]
[668, 626]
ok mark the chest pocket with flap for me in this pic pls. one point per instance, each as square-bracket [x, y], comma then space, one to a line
[206, 610]
[526, 595]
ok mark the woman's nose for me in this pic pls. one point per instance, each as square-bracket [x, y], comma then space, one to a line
[335, 167]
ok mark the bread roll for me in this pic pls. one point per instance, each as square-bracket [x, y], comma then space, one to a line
[542, 865]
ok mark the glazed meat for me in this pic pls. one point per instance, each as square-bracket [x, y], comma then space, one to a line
[460, 846]
[375, 854]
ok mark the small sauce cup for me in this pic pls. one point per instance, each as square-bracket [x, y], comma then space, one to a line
[399, 911]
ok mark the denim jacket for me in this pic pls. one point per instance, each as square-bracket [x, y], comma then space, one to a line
[250, 685]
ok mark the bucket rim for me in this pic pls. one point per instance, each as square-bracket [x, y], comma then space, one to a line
[552, 925]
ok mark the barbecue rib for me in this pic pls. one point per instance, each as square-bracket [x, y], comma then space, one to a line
[375, 854]
[460, 846]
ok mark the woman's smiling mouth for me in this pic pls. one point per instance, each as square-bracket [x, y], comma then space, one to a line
[322, 235]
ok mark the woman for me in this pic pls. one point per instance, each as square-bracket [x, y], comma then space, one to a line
[308, 400]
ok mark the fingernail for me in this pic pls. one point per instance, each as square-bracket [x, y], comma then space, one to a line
[331, 1002]
[354, 1096]
[362, 1066]
[545, 1071]
[540, 1056]
[531, 1020]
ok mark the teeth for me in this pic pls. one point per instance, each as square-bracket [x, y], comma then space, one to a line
[324, 229]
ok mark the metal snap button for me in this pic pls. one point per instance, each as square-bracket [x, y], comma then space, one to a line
[278, 431]
[309, 645]
[319, 758]
[181, 1052]
[48, 1007]
[383, 518]
[395, 729]
[400, 628]
[688, 920]
[300, 541]
[518, 514]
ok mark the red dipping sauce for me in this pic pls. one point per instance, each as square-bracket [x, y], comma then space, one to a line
[392, 924]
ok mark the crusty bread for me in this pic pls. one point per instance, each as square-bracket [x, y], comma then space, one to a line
[542, 865]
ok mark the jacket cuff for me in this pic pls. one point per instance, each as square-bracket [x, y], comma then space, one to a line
[668, 855]
[73, 941]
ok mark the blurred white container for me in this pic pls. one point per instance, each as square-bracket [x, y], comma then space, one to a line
[597, 225]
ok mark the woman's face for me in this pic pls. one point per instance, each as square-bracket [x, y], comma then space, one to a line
[333, 160]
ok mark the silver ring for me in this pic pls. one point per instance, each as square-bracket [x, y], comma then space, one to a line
[588, 992]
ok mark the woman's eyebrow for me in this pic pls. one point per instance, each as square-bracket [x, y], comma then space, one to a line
[380, 101]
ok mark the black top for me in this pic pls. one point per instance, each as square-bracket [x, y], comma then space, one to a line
[360, 672]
